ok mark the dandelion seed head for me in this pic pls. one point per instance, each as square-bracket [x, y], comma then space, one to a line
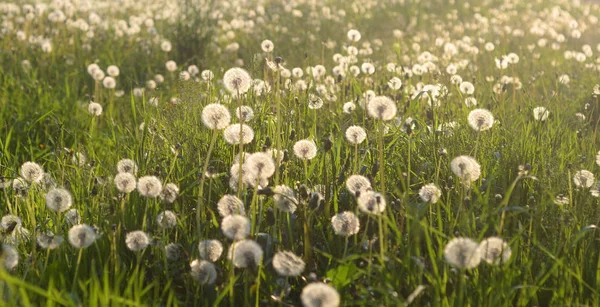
[171, 66]
[260, 164]
[149, 186]
[267, 45]
[285, 198]
[216, 116]
[82, 235]
[470, 102]
[462, 253]
[58, 200]
[95, 109]
[371, 202]
[345, 224]
[232, 134]
[137, 240]
[314, 102]
[9, 257]
[230, 204]
[395, 83]
[125, 182]
[430, 193]
[237, 81]
[353, 35]
[48, 240]
[72, 217]
[466, 168]
[127, 166]
[174, 252]
[495, 251]
[235, 227]
[166, 219]
[32, 172]
[203, 272]
[113, 71]
[381, 107]
[318, 294]
[287, 264]
[245, 254]
[583, 179]
[540, 113]
[169, 193]
[467, 88]
[348, 107]
[305, 149]
[355, 134]
[244, 113]
[109, 82]
[480, 119]
[357, 183]
[210, 250]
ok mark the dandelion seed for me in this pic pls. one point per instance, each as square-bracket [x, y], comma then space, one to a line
[381, 107]
[371, 202]
[203, 272]
[285, 198]
[355, 134]
[235, 227]
[318, 294]
[480, 119]
[169, 193]
[564, 79]
[82, 235]
[166, 219]
[245, 254]
[561, 200]
[127, 166]
[125, 182]
[137, 240]
[20, 185]
[237, 81]
[288, 264]
[32, 172]
[210, 250]
[72, 217]
[462, 253]
[95, 109]
[232, 134]
[430, 193]
[149, 186]
[540, 113]
[583, 179]
[9, 257]
[357, 183]
[14, 232]
[345, 224]
[207, 75]
[466, 168]
[494, 251]
[305, 149]
[216, 116]
[230, 204]
[58, 200]
[48, 240]
[470, 102]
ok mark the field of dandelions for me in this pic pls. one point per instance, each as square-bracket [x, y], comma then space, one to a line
[299, 153]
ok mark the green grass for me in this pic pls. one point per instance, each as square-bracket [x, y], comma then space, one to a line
[555, 248]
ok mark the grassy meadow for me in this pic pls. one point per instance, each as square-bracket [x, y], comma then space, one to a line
[299, 153]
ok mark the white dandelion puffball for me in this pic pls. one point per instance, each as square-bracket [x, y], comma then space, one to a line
[381, 107]
[216, 116]
[149, 186]
[230, 204]
[430, 193]
[480, 119]
[355, 134]
[48, 240]
[169, 193]
[9, 257]
[462, 253]
[466, 168]
[127, 166]
[137, 240]
[353, 35]
[267, 45]
[318, 294]
[58, 200]
[203, 272]
[245, 254]
[235, 227]
[125, 182]
[237, 81]
[166, 219]
[345, 224]
[287, 264]
[210, 250]
[244, 113]
[81, 236]
[259, 166]
[540, 113]
[598, 158]
[32, 172]
[395, 83]
[95, 109]
[495, 251]
[113, 71]
[171, 66]
[371, 202]
[233, 135]
[467, 88]
[109, 82]
[583, 179]
[357, 183]
[285, 198]
[72, 217]
[348, 107]
[305, 149]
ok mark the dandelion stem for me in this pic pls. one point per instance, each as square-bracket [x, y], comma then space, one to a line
[199, 205]
[76, 270]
